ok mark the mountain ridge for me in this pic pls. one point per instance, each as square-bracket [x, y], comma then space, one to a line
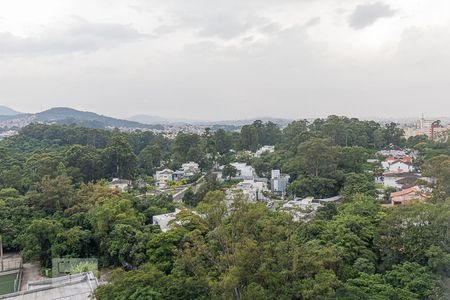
[67, 116]
[7, 111]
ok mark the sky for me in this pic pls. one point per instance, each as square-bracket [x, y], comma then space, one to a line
[227, 59]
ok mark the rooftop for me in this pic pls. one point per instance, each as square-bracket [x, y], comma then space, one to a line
[74, 287]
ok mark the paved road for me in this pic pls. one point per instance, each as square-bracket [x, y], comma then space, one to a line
[30, 273]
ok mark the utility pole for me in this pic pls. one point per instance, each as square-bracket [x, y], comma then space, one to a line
[1, 254]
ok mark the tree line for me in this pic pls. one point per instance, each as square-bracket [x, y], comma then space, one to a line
[54, 203]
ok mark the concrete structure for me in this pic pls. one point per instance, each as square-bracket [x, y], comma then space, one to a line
[163, 220]
[279, 182]
[75, 287]
[244, 171]
[301, 209]
[304, 209]
[121, 184]
[430, 128]
[252, 189]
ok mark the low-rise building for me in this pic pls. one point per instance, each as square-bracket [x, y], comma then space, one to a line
[121, 184]
[190, 168]
[162, 176]
[398, 165]
[244, 171]
[407, 196]
[163, 221]
[187, 170]
[279, 182]
[253, 189]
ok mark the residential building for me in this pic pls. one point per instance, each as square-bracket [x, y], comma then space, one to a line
[406, 196]
[190, 168]
[252, 189]
[162, 176]
[279, 182]
[430, 128]
[398, 165]
[163, 221]
[187, 170]
[178, 175]
[244, 171]
[121, 184]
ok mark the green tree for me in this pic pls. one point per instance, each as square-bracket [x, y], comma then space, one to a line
[318, 157]
[317, 187]
[37, 240]
[119, 158]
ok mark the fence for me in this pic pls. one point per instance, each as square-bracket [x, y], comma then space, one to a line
[11, 264]
[11, 277]
[18, 281]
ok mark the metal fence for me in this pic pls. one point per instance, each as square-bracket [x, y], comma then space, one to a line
[12, 268]
[18, 281]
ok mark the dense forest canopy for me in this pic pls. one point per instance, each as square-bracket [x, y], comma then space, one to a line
[54, 203]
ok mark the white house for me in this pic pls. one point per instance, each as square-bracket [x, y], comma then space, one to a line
[163, 220]
[243, 170]
[397, 165]
[121, 184]
[164, 175]
[252, 189]
[187, 170]
[190, 168]
[279, 182]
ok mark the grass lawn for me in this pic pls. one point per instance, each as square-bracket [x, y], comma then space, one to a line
[7, 283]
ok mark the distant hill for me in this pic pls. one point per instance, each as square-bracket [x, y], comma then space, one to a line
[64, 115]
[6, 111]
[279, 121]
[146, 119]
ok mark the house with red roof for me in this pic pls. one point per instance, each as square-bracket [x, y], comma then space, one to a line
[406, 196]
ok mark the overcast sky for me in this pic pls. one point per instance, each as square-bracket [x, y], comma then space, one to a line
[227, 59]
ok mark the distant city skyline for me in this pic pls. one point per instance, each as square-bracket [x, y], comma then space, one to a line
[227, 60]
[136, 118]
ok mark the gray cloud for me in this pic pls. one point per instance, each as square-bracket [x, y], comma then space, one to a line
[220, 25]
[213, 19]
[365, 15]
[79, 36]
[231, 59]
[313, 22]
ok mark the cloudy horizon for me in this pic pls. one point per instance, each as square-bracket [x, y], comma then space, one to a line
[218, 60]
